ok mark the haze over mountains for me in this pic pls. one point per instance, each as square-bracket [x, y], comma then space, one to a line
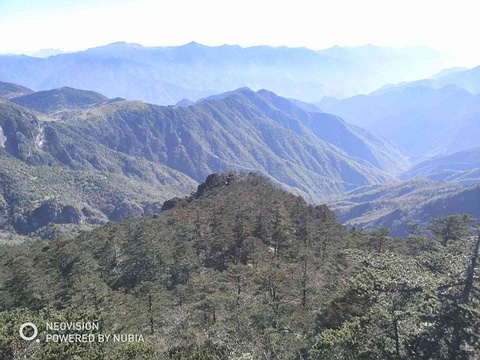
[166, 75]
[420, 118]
[436, 122]
[468, 79]
[462, 166]
[227, 202]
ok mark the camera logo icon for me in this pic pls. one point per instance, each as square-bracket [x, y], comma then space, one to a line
[31, 337]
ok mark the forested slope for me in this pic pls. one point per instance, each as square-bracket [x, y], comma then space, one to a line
[243, 270]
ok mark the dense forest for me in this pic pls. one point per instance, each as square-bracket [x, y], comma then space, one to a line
[243, 270]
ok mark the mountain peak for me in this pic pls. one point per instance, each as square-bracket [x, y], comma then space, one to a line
[59, 99]
[194, 44]
[45, 53]
[124, 43]
[242, 90]
[114, 47]
[9, 91]
[185, 102]
[216, 181]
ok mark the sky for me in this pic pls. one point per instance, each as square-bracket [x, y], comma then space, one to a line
[449, 26]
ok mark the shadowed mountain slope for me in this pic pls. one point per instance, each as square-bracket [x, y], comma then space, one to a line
[354, 140]
[462, 166]
[9, 91]
[399, 204]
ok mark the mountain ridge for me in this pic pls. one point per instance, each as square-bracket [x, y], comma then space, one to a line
[165, 75]
[236, 106]
[173, 148]
[462, 166]
[9, 91]
[65, 98]
[400, 204]
[421, 120]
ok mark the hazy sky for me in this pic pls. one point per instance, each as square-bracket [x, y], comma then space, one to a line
[450, 26]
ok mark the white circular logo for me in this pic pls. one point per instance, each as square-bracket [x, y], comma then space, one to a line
[28, 325]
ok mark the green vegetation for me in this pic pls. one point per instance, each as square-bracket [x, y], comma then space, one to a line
[46, 201]
[243, 270]
[245, 131]
[56, 102]
[54, 183]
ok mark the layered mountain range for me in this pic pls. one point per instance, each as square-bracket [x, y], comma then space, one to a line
[425, 118]
[165, 75]
[73, 159]
[240, 268]
[468, 79]
[462, 166]
[436, 122]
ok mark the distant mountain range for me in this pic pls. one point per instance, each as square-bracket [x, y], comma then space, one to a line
[400, 204]
[436, 122]
[166, 75]
[74, 157]
[422, 120]
[468, 79]
[45, 53]
[462, 166]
